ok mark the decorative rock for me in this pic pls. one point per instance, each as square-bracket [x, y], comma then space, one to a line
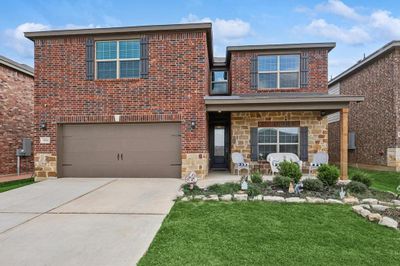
[374, 217]
[180, 194]
[389, 222]
[333, 201]
[240, 197]
[366, 206]
[385, 203]
[350, 200]
[343, 182]
[185, 199]
[199, 197]
[295, 200]
[398, 208]
[274, 198]
[314, 200]
[258, 197]
[380, 208]
[396, 202]
[369, 201]
[364, 213]
[226, 197]
[280, 191]
[212, 197]
[358, 209]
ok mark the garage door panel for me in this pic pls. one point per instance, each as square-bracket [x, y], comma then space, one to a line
[149, 150]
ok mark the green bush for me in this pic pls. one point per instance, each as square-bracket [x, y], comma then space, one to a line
[328, 174]
[253, 190]
[195, 191]
[290, 169]
[357, 187]
[362, 177]
[256, 177]
[313, 184]
[221, 189]
[281, 182]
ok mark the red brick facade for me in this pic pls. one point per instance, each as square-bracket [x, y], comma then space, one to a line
[318, 72]
[376, 120]
[16, 118]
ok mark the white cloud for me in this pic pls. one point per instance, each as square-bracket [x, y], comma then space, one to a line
[354, 35]
[15, 39]
[339, 8]
[224, 30]
[385, 24]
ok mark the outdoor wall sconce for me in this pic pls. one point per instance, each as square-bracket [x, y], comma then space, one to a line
[192, 125]
[43, 125]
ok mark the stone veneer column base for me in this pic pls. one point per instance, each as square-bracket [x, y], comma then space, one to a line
[197, 162]
[45, 166]
[393, 158]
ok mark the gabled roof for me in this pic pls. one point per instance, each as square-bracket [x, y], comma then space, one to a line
[369, 59]
[15, 65]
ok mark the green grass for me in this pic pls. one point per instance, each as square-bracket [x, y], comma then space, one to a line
[15, 184]
[381, 180]
[261, 233]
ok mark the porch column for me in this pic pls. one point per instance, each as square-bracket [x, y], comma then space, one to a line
[344, 139]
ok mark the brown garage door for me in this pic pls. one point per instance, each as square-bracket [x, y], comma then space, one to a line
[121, 150]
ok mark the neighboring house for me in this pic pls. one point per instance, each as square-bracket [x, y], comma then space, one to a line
[151, 101]
[374, 124]
[16, 114]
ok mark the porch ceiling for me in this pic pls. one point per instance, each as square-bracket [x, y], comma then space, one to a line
[281, 102]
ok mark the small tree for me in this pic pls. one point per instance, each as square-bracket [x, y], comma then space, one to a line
[290, 169]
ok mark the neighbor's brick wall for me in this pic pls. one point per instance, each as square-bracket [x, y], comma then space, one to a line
[16, 118]
[374, 120]
[240, 72]
[243, 121]
[177, 83]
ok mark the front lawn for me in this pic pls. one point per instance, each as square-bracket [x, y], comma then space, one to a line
[382, 180]
[15, 184]
[262, 233]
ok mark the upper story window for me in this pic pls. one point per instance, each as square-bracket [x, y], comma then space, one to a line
[219, 82]
[278, 71]
[117, 59]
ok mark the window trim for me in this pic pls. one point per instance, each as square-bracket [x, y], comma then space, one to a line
[117, 59]
[216, 82]
[278, 71]
[277, 144]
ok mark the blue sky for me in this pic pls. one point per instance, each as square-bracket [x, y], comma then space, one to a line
[358, 27]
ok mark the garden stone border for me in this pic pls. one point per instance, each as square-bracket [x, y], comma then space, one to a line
[366, 212]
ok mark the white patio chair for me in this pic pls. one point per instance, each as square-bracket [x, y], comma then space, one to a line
[275, 159]
[319, 159]
[239, 163]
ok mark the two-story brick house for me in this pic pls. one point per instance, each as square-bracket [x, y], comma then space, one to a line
[152, 101]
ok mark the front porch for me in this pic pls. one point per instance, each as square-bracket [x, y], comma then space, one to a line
[258, 125]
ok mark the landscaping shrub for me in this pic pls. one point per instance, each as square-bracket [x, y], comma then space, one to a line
[253, 190]
[362, 177]
[281, 182]
[357, 187]
[290, 169]
[256, 177]
[186, 189]
[221, 189]
[328, 174]
[313, 184]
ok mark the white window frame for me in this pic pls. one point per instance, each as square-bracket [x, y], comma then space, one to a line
[277, 143]
[278, 71]
[117, 59]
[215, 82]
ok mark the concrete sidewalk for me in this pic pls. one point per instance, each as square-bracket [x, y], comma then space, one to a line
[83, 221]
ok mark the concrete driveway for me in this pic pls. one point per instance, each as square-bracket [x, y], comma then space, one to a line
[83, 221]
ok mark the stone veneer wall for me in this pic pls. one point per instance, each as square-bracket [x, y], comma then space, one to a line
[393, 158]
[45, 166]
[197, 162]
[241, 122]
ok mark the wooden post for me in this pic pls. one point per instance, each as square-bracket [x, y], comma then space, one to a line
[344, 141]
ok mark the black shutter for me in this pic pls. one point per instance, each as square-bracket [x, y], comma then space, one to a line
[304, 144]
[253, 72]
[89, 58]
[144, 57]
[254, 143]
[304, 70]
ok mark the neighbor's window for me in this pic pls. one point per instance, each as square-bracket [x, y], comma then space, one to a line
[284, 139]
[219, 82]
[117, 59]
[278, 71]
